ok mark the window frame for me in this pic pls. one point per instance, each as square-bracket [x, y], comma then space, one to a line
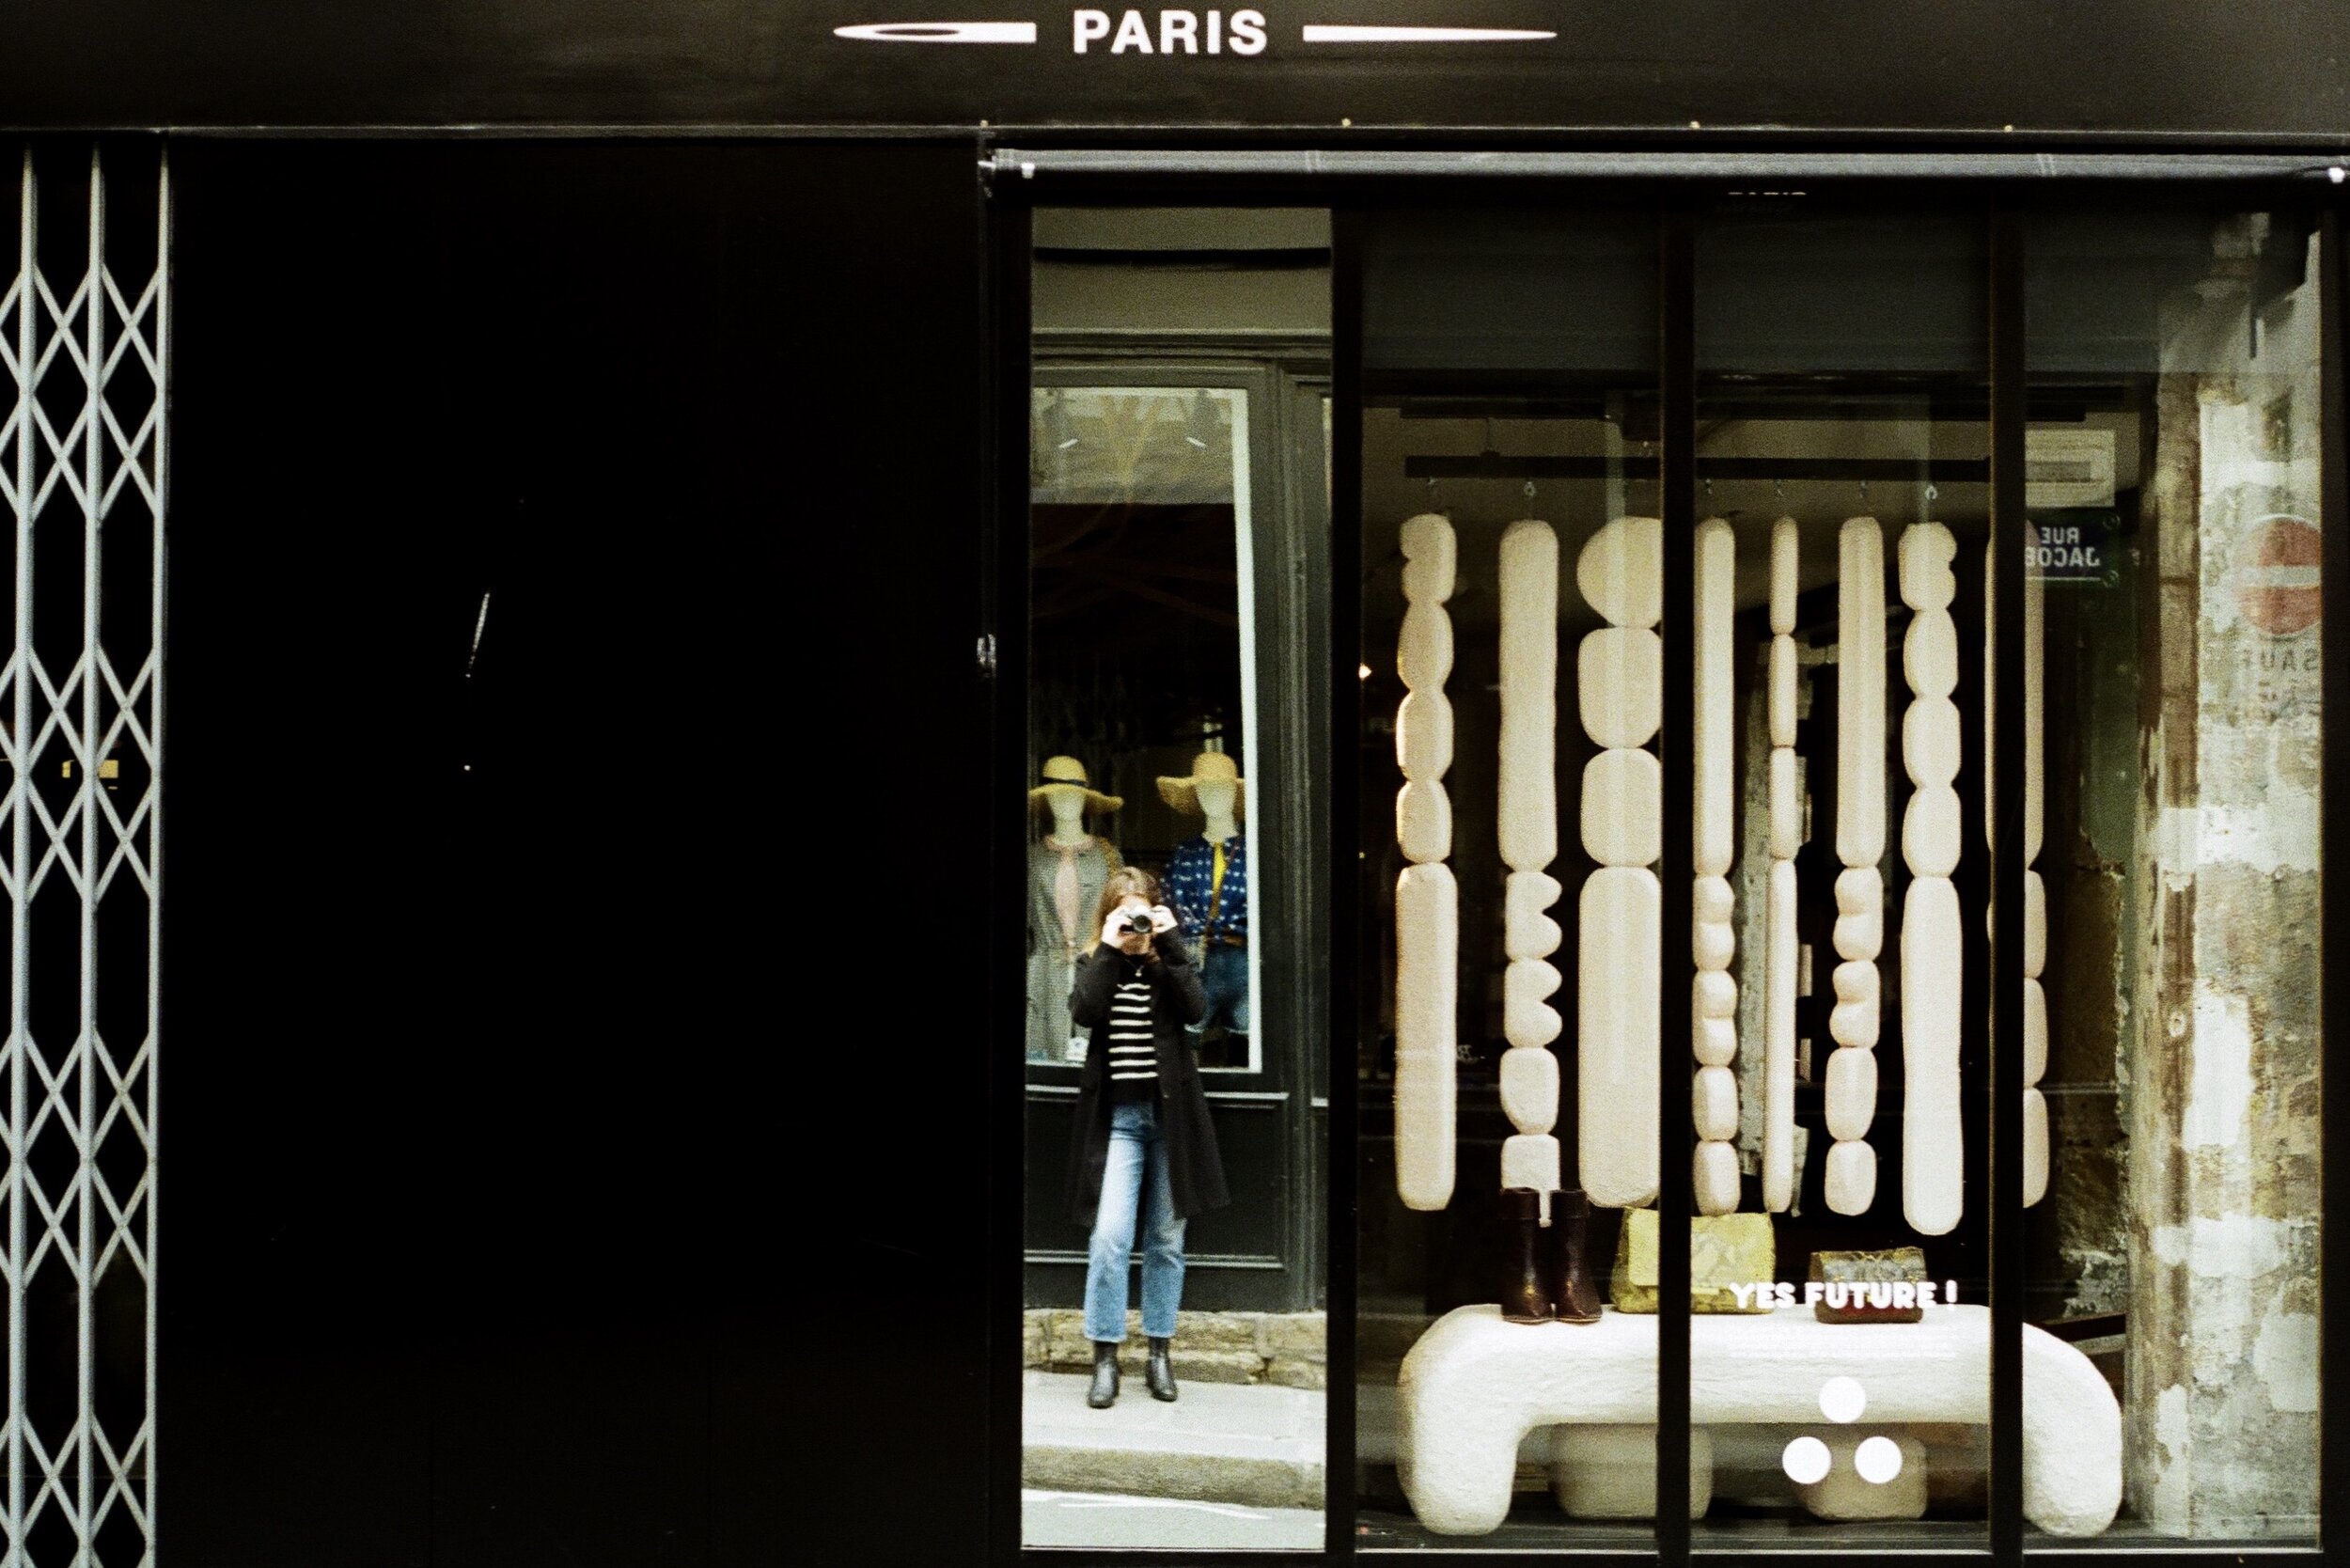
[2002, 189]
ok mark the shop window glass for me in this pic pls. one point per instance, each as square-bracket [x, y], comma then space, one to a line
[1172, 1039]
[1838, 1058]
[1509, 823]
[2172, 738]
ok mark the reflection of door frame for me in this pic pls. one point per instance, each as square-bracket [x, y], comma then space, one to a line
[1284, 377]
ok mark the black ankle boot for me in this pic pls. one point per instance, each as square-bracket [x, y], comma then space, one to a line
[1525, 1294]
[1159, 1372]
[1104, 1390]
[1574, 1291]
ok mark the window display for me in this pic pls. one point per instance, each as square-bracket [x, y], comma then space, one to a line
[1836, 788]
[1743, 629]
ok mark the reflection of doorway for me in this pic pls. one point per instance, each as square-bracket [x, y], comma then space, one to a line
[1136, 659]
[1169, 621]
[1166, 619]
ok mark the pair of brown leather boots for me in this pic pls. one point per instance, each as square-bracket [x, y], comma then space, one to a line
[1546, 1275]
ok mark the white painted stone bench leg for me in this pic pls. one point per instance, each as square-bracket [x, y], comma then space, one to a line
[1609, 1472]
[1473, 1386]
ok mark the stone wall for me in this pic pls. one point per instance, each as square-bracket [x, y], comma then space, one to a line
[1285, 1348]
[2077, 1260]
[2221, 1424]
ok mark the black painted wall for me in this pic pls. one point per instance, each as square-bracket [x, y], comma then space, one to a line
[1982, 68]
[546, 1178]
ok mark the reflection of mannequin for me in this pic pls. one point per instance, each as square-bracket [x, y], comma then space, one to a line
[1207, 883]
[1066, 868]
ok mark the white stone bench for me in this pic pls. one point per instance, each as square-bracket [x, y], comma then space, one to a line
[1474, 1387]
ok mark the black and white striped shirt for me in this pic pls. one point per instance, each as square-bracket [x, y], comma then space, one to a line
[1134, 1061]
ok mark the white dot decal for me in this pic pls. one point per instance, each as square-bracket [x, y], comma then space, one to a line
[1843, 1399]
[1804, 1460]
[1877, 1459]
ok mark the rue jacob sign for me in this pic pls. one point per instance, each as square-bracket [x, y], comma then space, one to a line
[1301, 67]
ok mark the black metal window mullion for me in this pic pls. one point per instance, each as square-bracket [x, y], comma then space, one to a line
[1349, 937]
[1003, 659]
[1677, 428]
[2334, 997]
[2005, 1218]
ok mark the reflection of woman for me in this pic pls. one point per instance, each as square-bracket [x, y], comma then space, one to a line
[1145, 1151]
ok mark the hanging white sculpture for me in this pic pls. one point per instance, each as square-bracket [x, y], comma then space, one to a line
[1932, 968]
[2035, 890]
[1427, 901]
[1851, 1178]
[1619, 682]
[1528, 831]
[1714, 1095]
[1778, 908]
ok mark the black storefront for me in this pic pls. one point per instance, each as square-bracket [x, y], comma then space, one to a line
[601, 596]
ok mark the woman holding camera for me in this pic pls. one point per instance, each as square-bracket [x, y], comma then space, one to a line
[1145, 1153]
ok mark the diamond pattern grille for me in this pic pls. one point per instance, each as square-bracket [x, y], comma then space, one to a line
[82, 371]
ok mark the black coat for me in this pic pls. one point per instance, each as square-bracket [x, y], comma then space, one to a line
[1195, 1168]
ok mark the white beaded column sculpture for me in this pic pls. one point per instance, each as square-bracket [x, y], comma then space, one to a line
[2035, 891]
[1714, 1095]
[1852, 1163]
[1931, 936]
[1529, 822]
[1779, 967]
[1620, 690]
[1427, 901]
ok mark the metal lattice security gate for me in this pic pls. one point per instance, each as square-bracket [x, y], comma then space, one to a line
[82, 341]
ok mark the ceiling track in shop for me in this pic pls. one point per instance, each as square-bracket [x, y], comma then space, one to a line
[1011, 165]
[1496, 466]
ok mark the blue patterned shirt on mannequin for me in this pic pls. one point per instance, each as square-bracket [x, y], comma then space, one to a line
[1206, 909]
[1207, 887]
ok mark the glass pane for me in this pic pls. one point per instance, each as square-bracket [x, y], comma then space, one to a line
[1504, 1071]
[1840, 1342]
[1140, 656]
[1173, 1037]
[2172, 738]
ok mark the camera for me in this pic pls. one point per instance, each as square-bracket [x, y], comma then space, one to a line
[1139, 924]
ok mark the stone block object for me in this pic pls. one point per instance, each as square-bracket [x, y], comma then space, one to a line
[1609, 1471]
[1846, 1494]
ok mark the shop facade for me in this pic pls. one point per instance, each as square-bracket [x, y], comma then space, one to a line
[639, 518]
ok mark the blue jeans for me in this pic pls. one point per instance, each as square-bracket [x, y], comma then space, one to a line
[1134, 1187]
[1224, 979]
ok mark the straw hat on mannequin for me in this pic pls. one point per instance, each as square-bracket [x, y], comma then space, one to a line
[1064, 777]
[1209, 767]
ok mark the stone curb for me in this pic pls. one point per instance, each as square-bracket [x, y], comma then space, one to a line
[1260, 1482]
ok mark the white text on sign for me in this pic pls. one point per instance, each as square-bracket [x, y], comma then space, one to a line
[1178, 33]
[2066, 550]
